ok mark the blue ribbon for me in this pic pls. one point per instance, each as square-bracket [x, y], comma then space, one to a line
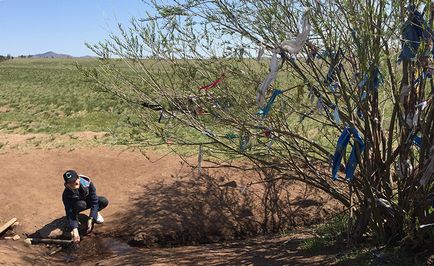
[359, 113]
[422, 76]
[376, 82]
[357, 148]
[417, 141]
[267, 108]
[352, 161]
[363, 96]
[340, 150]
[377, 79]
[415, 29]
[330, 77]
[362, 83]
[333, 71]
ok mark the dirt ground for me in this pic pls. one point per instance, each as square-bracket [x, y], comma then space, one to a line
[146, 196]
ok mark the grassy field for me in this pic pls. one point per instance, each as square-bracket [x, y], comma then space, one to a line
[51, 96]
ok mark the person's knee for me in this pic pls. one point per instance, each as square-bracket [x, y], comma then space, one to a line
[102, 202]
[80, 206]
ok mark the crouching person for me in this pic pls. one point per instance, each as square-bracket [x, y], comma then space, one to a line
[79, 195]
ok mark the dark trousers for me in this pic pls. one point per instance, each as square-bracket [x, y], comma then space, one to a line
[82, 205]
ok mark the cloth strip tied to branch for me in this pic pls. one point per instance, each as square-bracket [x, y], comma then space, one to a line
[264, 111]
[291, 46]
[262, 90]
[356, 150]
[213, 84]
[294, 46]
[414, 31]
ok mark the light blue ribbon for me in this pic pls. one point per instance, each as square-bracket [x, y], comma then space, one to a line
[336, 116]
[266, 109]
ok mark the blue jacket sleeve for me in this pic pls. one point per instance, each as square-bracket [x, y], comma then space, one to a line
[72, 219]
[93, 201]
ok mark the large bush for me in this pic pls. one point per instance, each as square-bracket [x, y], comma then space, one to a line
[352, 112]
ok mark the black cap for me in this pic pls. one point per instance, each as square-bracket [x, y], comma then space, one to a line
[70, 176]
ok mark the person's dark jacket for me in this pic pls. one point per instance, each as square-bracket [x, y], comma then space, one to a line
[87, 193]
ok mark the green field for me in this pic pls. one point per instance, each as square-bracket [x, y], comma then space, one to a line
[52, 96]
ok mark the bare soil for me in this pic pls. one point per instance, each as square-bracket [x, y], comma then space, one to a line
[175, 217]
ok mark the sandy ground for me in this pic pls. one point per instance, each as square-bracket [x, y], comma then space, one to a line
[31, 186]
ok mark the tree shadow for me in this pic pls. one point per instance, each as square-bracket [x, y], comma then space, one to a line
[172, 218]
[193, 211]
[200, 210]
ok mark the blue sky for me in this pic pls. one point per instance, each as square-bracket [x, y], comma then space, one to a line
[62, 26]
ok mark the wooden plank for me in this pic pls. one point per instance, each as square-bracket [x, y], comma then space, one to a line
[33, 241]
[7, 225]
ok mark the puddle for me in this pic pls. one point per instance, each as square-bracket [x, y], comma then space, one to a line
[93, 248]
[112, 245]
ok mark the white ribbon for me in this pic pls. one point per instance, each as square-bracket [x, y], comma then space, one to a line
[260, 52]
[422, 105]
[404, 93]
[262, 90]
[294, 46]
[336, 116]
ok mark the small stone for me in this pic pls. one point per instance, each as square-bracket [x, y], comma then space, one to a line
[16, 237]
[55, 229]
[56, 233]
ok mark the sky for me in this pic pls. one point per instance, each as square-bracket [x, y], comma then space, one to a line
[30, 27]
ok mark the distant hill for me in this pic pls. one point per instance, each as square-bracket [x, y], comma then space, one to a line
[87, 56]
[51, 54]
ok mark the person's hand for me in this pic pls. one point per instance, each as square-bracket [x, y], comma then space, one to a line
[75, 236]
[89, 225]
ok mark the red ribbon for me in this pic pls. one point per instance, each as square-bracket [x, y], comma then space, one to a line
[213, 84]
